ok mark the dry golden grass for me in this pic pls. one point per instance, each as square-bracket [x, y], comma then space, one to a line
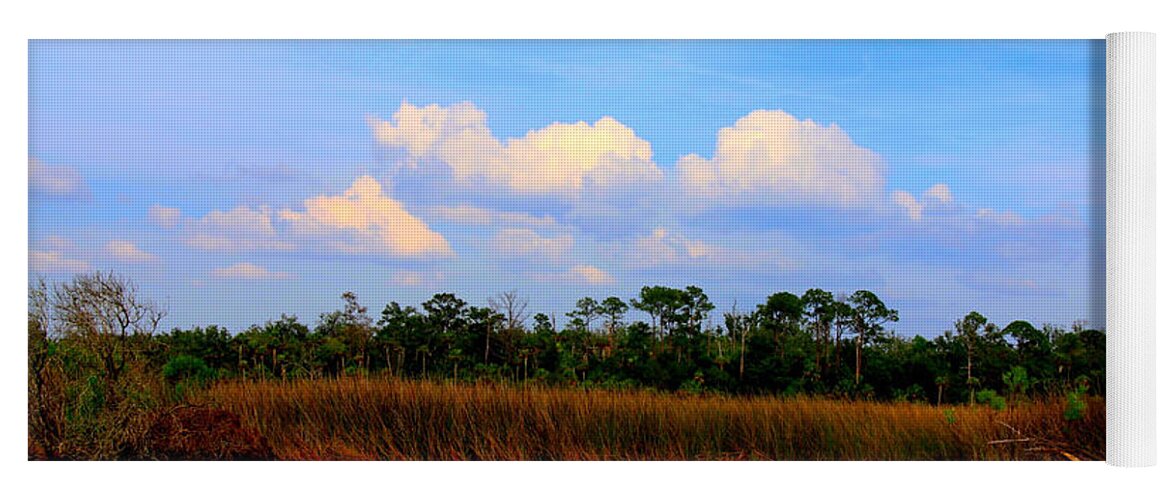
[375, 418]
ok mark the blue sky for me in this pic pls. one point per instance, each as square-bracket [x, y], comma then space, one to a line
[236, 181]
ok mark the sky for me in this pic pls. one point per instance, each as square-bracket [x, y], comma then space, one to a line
[236, 181]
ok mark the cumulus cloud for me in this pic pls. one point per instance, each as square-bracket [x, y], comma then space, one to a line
[559, 159]
[936, 197]
[772, 158]
[939, 192]
[248, 271]
[523, 242]
[164, 217]
[126, 251]
[55, 262]
[662, 247]
[241, 229]
[363, 220]
[908, 203]
[938, 205]
[55, 180]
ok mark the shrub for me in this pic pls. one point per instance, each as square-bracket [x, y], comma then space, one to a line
[992, 399]
[1075, 402]
[193, 433]
[184, 367]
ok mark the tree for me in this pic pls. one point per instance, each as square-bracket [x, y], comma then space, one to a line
[969, 329]
[870, 314]
[350, 326]
[738, 325]
[45, 399]
[662, 304]
[613, 309]
[695, 307]
[445, 316]
[941, 383]
[484, 320]
[512, 306]
[843, 319]
[781, 315]
[586, 312]
[1034, 350]
[101, 311]
[401, 329]
[820, 310]
[212, 345]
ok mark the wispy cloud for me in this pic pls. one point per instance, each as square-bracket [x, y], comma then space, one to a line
[523, 242]
[248, 271]
[55, 180]
[54, 262]
[581, 274]
[164, 217]
[241, 229]
[481, 216]
[125, 251]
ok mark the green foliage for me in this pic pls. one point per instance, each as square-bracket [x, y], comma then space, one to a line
[912, 394]
[185, 367]
[815, 343]
[1016, 382]
[1075, 401]
[992, 399]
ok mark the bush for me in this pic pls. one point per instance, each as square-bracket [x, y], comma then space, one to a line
[1018, 382]
[184, 367]
[1075, 401]
[991, 398]
[193, 433]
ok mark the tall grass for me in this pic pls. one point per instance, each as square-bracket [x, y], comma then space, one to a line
[374, 418]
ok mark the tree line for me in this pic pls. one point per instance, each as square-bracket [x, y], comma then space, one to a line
[815, 343]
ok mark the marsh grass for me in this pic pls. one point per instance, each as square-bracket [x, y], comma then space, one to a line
[384, 418]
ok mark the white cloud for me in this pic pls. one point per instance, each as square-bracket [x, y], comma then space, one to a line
[248, 271]
[164, 217]
[935, 197]
[55, 262]
[126, 251]
[364, 220]
[416, 278]
[591, 275]
[771, 158]
[559, 159]
[523, 242]
[663, 247]
[55, 180]
[581, 274]
[939, 192]
[471, 215]
[241, 219]
[907, 202]
[1005, 218]
[59, 243]
[241, 229]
